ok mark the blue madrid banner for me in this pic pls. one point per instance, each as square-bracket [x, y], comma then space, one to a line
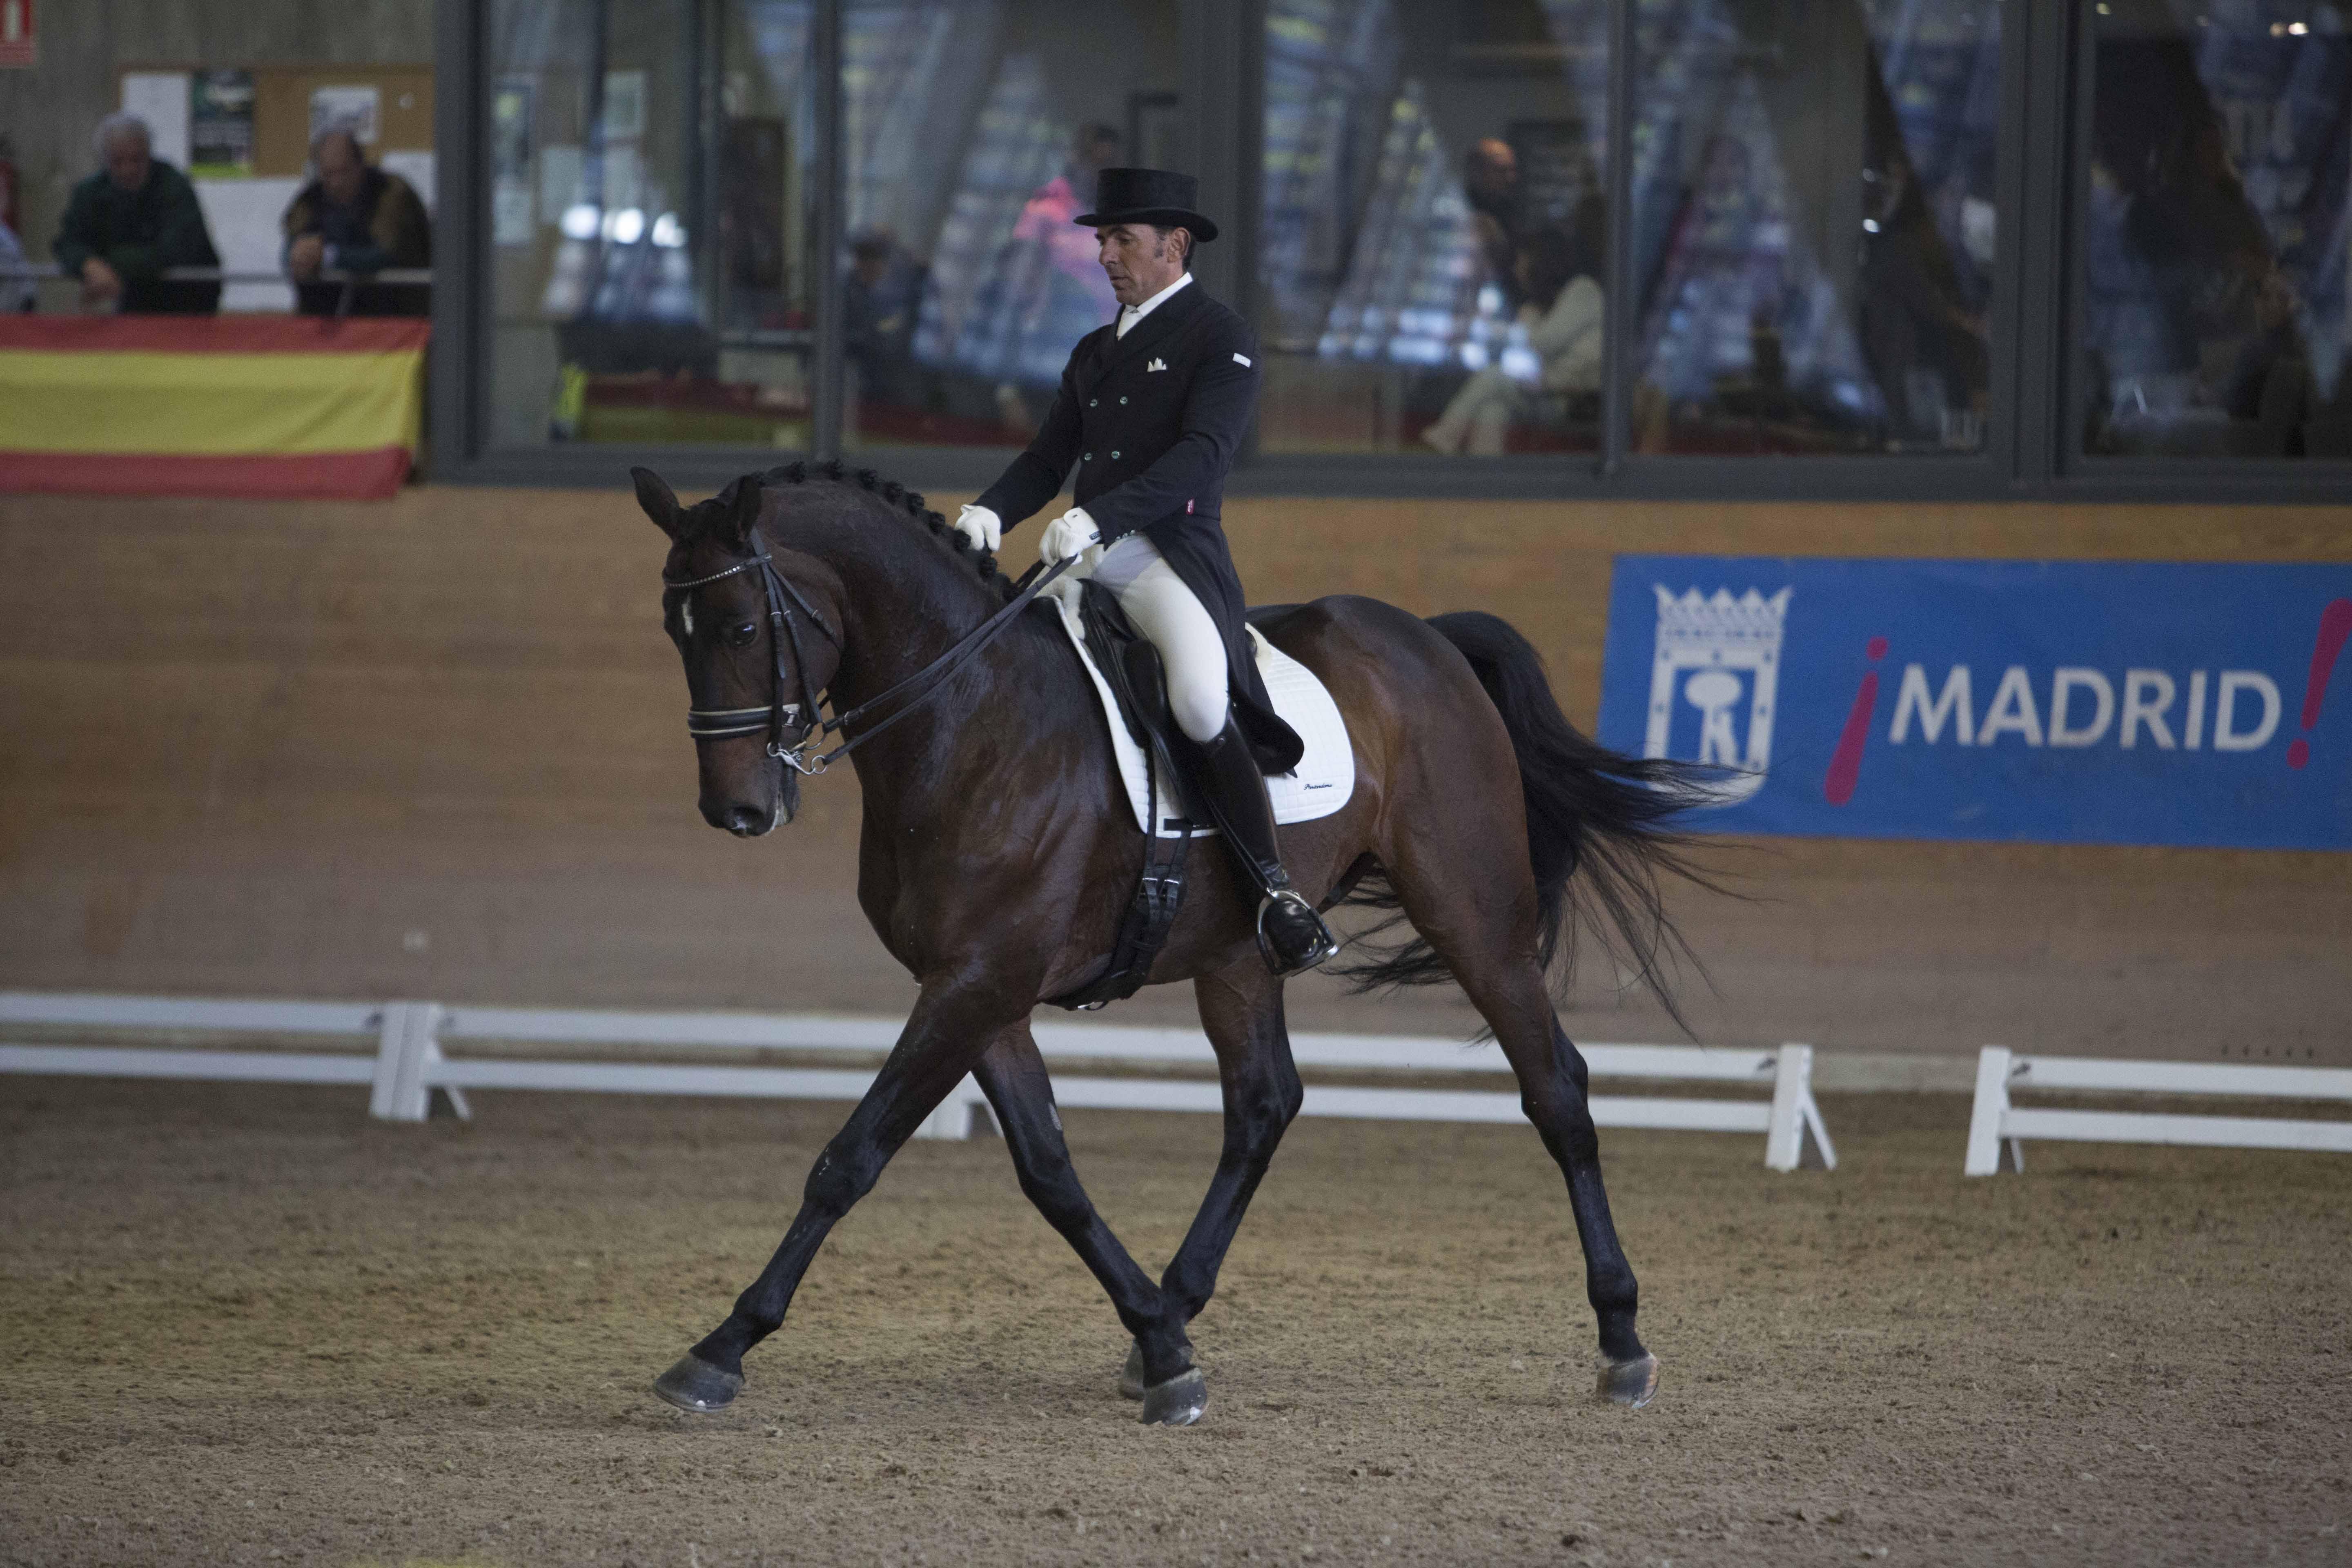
[2083, 702]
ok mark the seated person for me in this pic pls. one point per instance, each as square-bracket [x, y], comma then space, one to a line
[16, 290]
[354, 218]
[17, 287]
[1562, 318]
[2269, 382]
[1913, 317]
[125, 225]
[1490, 183]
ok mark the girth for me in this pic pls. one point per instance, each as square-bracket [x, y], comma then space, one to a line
[1131, 665]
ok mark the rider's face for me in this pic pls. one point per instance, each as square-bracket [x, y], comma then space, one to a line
[1139, 261]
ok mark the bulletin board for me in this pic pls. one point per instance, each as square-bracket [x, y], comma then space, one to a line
[402, 97]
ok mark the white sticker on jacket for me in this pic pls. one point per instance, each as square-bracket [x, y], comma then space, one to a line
[1242, 360]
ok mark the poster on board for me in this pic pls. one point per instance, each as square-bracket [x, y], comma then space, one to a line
[220, 124]
[358, 107]
[2082, 702]
[161, 99]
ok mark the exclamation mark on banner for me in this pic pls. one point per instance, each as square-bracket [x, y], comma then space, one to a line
[1845, 762]
[2335, 626]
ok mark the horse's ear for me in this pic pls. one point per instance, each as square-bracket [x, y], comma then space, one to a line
[739, 502]
[659, 499]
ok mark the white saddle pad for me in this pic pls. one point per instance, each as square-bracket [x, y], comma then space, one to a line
[1326, 774]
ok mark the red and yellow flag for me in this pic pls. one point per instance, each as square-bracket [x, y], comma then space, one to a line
[213, 405]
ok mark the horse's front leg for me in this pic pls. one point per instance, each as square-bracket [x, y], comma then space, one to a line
[1013, 1075]
[949, 1027]
[1241, 1010]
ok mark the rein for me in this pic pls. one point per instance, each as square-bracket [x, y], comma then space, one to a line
[779, 716]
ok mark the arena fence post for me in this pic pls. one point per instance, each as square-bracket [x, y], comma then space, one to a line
[1794, 1115]
[1998, 1130]
[952, 1118]
[408, 1047]
[1991, 1109]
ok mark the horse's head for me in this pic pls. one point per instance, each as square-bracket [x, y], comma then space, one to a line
[740, 611]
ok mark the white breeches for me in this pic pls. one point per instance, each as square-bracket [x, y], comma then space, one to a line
[1167, 611]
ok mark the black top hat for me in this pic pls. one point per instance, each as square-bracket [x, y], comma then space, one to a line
[1148, 195]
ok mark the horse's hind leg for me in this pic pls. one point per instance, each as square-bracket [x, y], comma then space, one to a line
[1013, 1075]
[943, 1041]
[1489, 942]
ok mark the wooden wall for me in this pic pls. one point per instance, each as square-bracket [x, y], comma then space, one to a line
[432, 747]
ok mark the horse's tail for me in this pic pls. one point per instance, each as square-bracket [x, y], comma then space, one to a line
[1588, 809]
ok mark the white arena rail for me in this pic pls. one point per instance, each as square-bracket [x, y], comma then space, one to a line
[408, 1063]
[1996, 1127]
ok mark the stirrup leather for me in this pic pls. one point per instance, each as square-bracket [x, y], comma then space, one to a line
[1320, 953]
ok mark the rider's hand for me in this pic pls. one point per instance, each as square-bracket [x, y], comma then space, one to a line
[982, 526]
[1066, 535]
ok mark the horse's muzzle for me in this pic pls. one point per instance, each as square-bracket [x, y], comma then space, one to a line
[745, 820]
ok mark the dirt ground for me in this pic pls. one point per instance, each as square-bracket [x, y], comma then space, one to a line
[246, 1325]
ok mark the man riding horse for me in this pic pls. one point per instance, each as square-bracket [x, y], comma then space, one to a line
[992, 858]
[1150, 411]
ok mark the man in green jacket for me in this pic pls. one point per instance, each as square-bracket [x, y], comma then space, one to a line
[126, 223]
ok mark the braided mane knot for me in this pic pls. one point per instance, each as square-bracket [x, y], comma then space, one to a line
[909, 502]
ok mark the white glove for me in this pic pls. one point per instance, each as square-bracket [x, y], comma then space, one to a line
[982, 526]
[1066, 535]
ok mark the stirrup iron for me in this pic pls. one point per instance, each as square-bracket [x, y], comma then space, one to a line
[1323, 947]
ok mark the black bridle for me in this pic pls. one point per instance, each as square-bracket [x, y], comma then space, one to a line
[781, 719]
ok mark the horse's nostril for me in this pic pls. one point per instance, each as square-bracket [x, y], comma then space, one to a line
[743, 821]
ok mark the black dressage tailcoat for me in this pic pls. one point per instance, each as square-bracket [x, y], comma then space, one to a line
[1151, 423]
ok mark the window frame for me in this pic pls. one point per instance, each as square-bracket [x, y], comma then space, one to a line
[2032, 448]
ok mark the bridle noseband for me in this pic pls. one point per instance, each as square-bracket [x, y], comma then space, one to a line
[778, 717]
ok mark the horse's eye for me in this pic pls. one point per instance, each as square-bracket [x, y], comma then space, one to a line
[740, 636]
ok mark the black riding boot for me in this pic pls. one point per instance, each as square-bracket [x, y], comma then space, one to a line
[1232, 791]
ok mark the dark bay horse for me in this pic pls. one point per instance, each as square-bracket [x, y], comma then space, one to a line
[999, 853]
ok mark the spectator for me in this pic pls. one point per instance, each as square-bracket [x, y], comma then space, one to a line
[1926, 349]
[1490, 182]
[880, 301]
[130, 221]
[1054, 284]
[355, 217]
[1563, 322]
[17, 289]
[2271, 382]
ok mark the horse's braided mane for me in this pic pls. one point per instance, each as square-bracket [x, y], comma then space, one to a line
[896, 494]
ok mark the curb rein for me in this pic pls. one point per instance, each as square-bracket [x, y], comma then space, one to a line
[778, 716]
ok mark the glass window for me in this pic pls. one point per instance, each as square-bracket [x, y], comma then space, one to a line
[973, 131]
[2213, 235]
[1434, 235]
[649, 167]
[1814, 225]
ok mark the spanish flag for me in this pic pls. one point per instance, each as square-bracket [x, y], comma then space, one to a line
[210, 406]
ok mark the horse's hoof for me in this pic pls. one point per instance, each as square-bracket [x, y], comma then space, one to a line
[1130, 1376]
[695, 1384]
[1631, 1383]
[1177, 1402]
